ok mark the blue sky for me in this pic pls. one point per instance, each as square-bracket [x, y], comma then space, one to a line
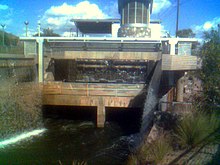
[200, 15]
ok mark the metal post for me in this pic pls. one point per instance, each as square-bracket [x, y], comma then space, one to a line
[26, 25]
[3, 34]
[177, 16]
[39, 28]
[40, 42]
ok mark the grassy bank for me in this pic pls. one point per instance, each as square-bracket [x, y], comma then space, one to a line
[20, 107]
[194, 139]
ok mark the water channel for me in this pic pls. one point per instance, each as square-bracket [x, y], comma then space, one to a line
[64, 139]
[69, 134]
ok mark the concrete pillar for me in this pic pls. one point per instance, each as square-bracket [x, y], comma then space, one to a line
[40, 42]
[100, 113]
[173, 43]
[180, 89]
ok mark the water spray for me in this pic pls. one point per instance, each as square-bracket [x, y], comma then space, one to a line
[21, 137]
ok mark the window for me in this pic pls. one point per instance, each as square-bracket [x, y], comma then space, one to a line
[139, 12]
[132, 12]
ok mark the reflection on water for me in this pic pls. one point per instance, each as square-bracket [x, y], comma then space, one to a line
[68, 140]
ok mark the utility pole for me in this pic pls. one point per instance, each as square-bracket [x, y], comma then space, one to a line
[26, 25]
[177, 16]
[3, 34]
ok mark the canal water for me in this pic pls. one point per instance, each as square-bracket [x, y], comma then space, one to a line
[65, 139]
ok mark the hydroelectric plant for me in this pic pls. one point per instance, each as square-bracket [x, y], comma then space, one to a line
[107, 66]
[111, 70]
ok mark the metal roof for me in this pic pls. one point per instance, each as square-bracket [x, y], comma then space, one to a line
[95, 26]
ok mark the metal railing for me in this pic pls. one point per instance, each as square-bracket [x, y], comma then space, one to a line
[176, 107]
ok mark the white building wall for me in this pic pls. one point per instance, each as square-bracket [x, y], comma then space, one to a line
[115, 27]
[155, 30]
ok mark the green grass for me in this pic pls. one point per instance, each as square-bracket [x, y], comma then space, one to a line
[156, 151]
[75, 162]
[19, 108]
[133, 160]
[197, 128]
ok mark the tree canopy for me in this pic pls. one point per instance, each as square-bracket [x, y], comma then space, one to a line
[210, 72]
[48, 33]
[185, 33]
[9, 39]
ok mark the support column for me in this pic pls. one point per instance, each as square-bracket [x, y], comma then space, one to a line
[173, 43]
[180, 86]
[40, 42]
[100, 113]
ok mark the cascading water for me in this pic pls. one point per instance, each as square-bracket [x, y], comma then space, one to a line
[64, 141]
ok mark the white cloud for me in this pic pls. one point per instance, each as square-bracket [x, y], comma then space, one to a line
[6, 15]
[3, 7]
[58, 17]
[160, 5]
[208, 25]
[112, 9]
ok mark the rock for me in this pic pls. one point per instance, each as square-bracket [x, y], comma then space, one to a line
[165, 120]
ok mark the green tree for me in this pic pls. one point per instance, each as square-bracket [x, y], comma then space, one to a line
[48, 33]
[9, 39]
[186, 33]
[210, 72]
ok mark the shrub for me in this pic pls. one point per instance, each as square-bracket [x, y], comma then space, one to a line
[156, 151]
[197, 128]
[75, 163]
[133, 160]
[210, 71]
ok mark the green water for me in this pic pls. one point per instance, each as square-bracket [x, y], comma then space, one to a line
[67, 141]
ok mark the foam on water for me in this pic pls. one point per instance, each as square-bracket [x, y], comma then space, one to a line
[21, 137]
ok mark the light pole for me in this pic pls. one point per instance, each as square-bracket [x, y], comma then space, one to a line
[3, 34]
[39, 24]
[26, 24]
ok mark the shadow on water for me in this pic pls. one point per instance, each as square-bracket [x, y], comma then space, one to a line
[109, 145]
[70, 112]
[127, 118]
